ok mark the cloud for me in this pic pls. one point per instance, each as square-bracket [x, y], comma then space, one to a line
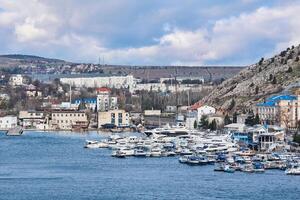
[156, 33]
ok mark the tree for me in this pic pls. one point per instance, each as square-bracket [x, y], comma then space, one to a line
[290, 69]
[256, 119]
[195, 124]
[234, 120]
[256, 90]
[204, 122]
[227, 120]
[232, 104]
[270, 77]
[261, 61]
[213, 125]
[274, 80]
[296, 138]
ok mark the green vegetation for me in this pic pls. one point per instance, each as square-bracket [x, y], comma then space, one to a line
[227, 120]
[296, 138]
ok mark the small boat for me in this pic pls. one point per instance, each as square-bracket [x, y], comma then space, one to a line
[219, 166]
[183, 159]
[185, 152]
[247, 168]
[229, 169]
[155, 152]
[91, 144]
[168, 153]
[258, 167]
[140, 153]
[127, 151]
[16, 131]
[294, 170]
[120, 154]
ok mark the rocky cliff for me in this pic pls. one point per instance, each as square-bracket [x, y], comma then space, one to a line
[256, 82]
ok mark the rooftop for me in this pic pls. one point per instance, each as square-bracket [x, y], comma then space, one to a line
[271, 101]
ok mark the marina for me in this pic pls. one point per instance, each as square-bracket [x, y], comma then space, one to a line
[201, 148]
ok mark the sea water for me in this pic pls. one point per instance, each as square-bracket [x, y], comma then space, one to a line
[50, 165]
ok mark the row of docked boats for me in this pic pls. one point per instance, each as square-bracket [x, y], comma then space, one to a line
[199, 149]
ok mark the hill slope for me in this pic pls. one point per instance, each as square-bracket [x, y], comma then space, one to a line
[258, 81]
[13, 60]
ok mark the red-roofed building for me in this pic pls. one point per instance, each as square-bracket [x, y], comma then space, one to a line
[103, 90]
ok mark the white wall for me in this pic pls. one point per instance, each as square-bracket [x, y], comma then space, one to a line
[8, 122]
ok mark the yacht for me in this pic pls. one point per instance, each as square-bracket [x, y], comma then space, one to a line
[169, 131]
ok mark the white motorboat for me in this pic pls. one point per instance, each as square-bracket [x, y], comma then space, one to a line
[155, 152]
[127, 151]
[294, 170]
[140, 153]
[91, 144]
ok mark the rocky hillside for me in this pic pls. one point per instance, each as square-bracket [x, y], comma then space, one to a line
[258, 81]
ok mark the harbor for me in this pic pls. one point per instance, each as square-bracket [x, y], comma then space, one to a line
[55, 165]
[200, 148]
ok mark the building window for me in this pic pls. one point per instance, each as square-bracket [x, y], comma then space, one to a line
[113, 120]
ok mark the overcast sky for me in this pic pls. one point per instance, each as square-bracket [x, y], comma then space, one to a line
[150, 32]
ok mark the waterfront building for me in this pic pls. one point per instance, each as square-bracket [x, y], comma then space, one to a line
[33, 119]
[112, 81]
[118, 118]
[8, 122]
[282, 110]
[67, 120]
[105, 101]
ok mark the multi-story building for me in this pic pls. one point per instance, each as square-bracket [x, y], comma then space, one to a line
[67, 120]
[8, 122]
[282, 110]
[118, 118]
[105, 101]
[90, 103]
[33, 119]
[116, 81]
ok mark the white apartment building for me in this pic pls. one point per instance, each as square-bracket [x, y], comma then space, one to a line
[105, 101]
[8, 122]
[67, 120]
[102, 81]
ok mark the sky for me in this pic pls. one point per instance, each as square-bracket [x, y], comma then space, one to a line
[150, 32]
